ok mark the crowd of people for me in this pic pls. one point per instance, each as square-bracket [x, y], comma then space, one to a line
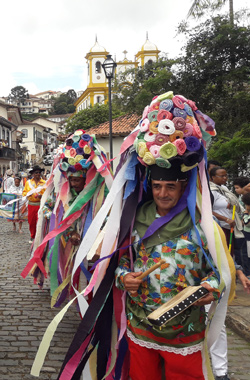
[21, 184]
[128, 246]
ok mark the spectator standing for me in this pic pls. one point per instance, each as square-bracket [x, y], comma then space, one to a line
[239, 184]
[8, 180]
[246, 222]
[17, 189]
[224, 200]
[34, 199]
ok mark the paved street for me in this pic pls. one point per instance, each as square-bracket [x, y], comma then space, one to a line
[25, 313]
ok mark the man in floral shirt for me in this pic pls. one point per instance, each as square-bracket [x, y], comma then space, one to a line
[179, 342]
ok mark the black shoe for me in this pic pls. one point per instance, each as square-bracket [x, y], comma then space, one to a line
[224, 377]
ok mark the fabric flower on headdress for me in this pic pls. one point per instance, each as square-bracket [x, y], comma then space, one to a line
[163, 114]
[152, 116]
[142, 149]
[188, 130]
[148, 158]
[175, 136]
[179, 123]
[161, 139]
[166, 105]
[192, 143]
[153, 127]
[178, 102]
[149, 136]
[144, 125]
[162, 163]
[180, 146]
[168, 150]
[155, 150]
[166, 127]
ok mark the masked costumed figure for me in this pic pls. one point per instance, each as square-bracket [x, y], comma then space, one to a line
[75, 191]
[159, 219]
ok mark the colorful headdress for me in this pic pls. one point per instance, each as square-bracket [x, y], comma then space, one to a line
[77, 153]
[173, 132]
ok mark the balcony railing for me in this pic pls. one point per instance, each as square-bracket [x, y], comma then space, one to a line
[7, 154]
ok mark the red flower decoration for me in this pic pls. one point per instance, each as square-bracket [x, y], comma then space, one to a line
[192, 105]
[82, 143]
[78, 166]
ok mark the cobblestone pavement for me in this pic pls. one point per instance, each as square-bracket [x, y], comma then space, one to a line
[25, 313]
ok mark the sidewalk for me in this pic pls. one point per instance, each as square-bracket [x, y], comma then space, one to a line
[238, 315]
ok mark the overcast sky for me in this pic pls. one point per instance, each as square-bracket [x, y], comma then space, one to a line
[43, 43]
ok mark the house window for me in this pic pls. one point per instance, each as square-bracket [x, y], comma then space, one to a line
[98, 67]
[25, 132]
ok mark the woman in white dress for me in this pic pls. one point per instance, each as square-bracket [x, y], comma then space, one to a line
[8, 181]
[17, 189]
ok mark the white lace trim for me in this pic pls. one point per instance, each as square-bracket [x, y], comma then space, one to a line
[184, 351]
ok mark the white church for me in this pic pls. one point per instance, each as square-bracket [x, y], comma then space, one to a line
[97, 85]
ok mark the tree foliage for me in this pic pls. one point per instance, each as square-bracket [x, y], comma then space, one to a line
[136, 87]
[200, 7]
[72, 95]
[92, 116]
[65, 103]
[18, 93]
[215, 71]
[33, 116]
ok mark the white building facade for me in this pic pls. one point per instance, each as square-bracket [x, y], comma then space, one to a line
[10, 137]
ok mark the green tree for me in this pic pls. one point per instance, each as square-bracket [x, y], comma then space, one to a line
[65, 103]
[33, 116]
[136, 87]
[18, 93]
[205, 72]
[60, 108]
[233, 152]
[200, 7]
[72, 95]
[221, 89]
[91, 117]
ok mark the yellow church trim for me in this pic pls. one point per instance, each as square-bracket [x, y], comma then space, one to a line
[89, 93]
[154, 53]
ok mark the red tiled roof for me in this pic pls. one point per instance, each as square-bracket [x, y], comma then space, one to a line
[121, 126]
[66, 115]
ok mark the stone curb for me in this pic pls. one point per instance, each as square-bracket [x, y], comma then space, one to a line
[238, 324]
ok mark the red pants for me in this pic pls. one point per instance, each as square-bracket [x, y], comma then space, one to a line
[145, 364]
[32, 219]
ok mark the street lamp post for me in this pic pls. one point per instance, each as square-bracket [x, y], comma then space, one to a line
[109, 66]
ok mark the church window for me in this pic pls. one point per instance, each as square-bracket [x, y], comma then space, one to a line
[98, 99]
[150, 62]
[98, 67]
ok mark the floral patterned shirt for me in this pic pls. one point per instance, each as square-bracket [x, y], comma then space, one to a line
[185, 265]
